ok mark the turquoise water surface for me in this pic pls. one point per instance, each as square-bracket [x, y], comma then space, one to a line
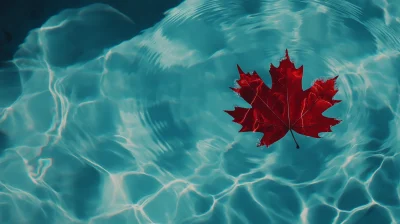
[112, 127]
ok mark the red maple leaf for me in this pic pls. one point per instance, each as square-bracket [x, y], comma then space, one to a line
[285, 106]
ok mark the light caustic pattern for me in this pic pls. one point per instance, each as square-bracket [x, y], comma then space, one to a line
[134, 131]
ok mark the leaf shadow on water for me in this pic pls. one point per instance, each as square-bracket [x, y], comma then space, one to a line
[239, 160]
[87, 191]
[250, 202]
[247, 210]
[79, 185]
[176, 137]
[306, 162]
[4, 143]
[379, 129]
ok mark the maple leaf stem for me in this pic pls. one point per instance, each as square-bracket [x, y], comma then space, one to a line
[297, 144]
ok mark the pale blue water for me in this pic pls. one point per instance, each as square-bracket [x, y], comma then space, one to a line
[116, 128]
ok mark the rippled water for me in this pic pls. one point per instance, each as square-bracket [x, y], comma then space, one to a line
[115, 128]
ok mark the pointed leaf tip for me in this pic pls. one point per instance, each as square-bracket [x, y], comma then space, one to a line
[239, 69]
[287, 54]
[236, 90]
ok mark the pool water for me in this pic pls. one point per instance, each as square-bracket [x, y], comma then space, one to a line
[114, 126]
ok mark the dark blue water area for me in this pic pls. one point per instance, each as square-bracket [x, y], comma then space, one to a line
[112, 112]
